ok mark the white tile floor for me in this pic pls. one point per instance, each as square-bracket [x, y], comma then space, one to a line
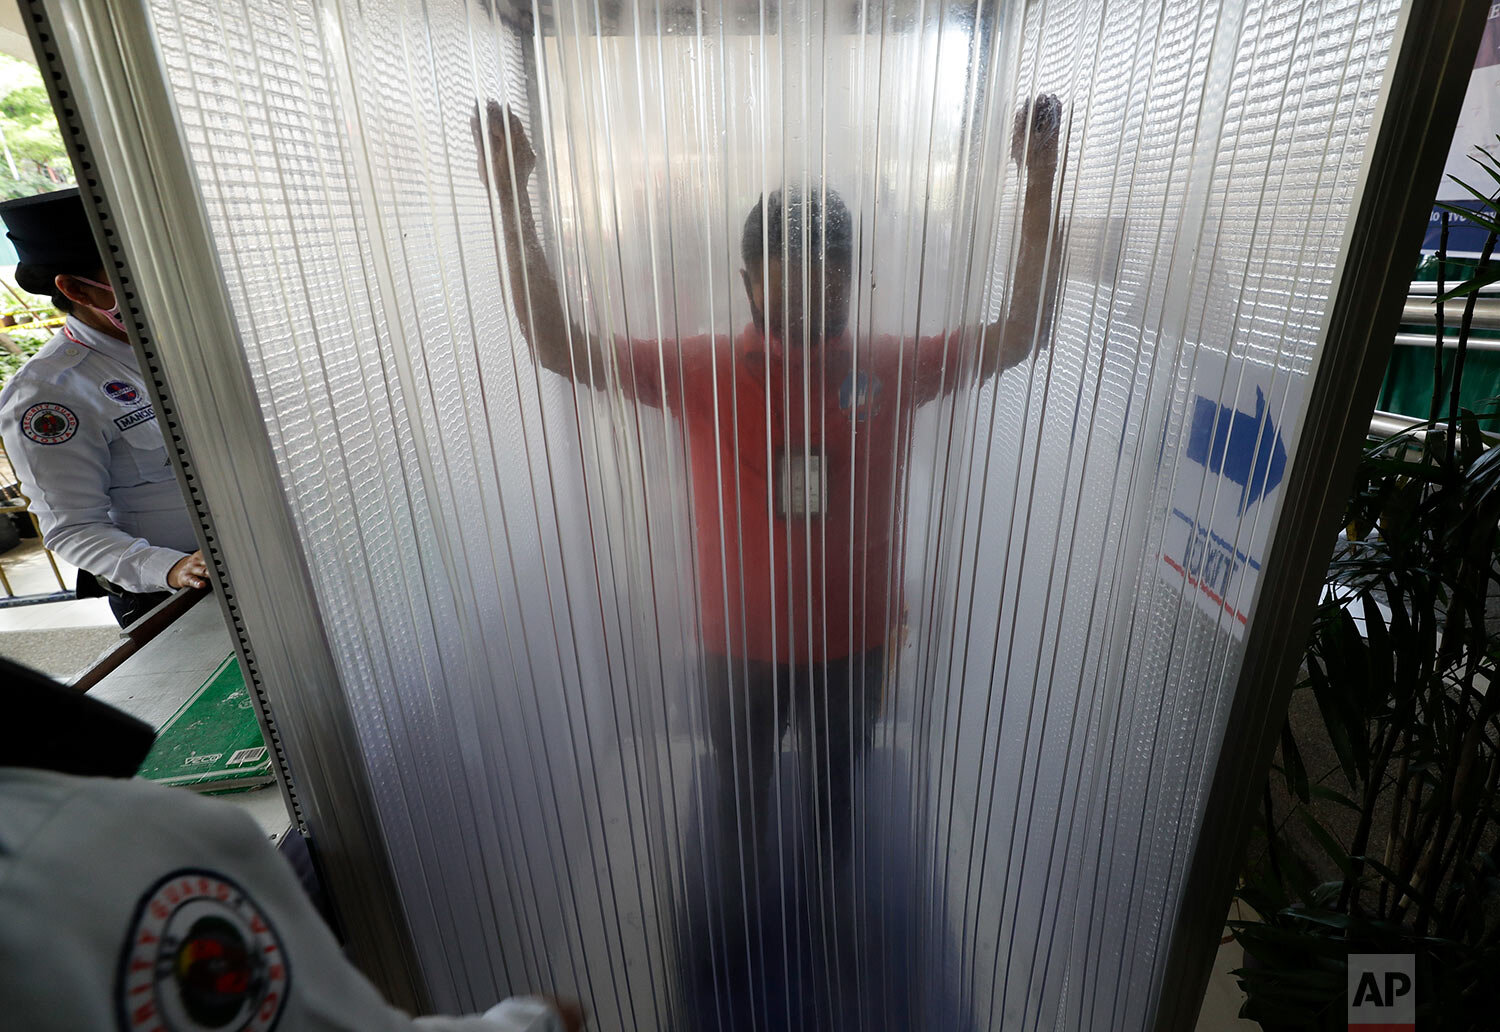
[87, 612]
[61, 639]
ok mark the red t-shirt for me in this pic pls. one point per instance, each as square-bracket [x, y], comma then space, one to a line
[798, 473]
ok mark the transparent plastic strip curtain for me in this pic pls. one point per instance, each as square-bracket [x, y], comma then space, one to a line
[785, 485]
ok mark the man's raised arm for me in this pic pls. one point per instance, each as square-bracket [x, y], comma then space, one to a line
[557, 342]
[1010, 339]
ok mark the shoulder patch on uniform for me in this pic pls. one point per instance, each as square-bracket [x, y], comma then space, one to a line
[135, 417]
[200, 955]
[119, 390]
[47, 422]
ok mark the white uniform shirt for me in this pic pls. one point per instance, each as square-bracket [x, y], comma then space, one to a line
[83, 437]
[126, 905]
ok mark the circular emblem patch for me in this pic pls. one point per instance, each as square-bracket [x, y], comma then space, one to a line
[200, 956]
[119, 390]
[49, 423]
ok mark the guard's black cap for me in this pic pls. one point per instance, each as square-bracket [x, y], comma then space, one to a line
[51, 230]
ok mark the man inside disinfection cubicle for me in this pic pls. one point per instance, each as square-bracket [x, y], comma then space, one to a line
[799, 432]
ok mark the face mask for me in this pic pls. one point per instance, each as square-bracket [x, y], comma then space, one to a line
[113, 315]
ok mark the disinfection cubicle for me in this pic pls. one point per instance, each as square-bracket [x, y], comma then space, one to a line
[766, 516]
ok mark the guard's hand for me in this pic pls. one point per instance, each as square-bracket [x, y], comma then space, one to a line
[188, 572]
[1035, 138]
[570, 1012]
[512, 155]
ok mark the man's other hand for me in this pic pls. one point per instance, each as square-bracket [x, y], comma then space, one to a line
[513, 157]
[1035, 138]
[188, 572]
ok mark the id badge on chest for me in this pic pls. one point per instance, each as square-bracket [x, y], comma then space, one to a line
[801, 484]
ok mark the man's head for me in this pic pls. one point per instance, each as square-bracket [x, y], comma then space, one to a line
[57, 256]
[798, 250]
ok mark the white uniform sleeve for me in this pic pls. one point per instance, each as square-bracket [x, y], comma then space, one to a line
[68, 484]
[518, 1014]
[110, 890]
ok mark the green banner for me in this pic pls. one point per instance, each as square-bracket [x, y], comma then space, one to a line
[1408, 379]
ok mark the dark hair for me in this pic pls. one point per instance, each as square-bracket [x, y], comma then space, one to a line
[42, 279]
[829, 230]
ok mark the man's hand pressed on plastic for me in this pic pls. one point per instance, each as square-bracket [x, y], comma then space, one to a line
[511, 154]
[1026, 327]
[560, 345]
[1035, 139]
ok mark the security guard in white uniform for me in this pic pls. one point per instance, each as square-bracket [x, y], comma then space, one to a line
[128, 906]
[80, 429]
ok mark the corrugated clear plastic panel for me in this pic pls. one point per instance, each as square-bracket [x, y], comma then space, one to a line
[785, 485]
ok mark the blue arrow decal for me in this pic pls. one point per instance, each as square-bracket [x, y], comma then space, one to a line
[1247, 448]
